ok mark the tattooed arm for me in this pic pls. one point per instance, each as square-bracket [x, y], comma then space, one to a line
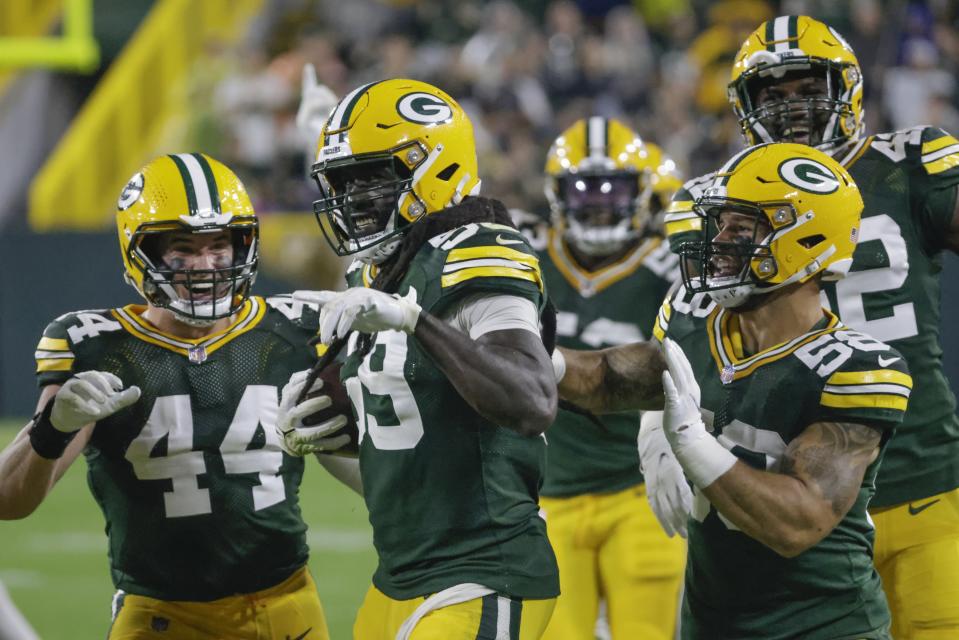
[615, 379]
[793, 510]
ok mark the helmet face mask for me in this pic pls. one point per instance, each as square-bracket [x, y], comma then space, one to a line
[359, 207]
[389, 154]
[775, 215]
[174, 209]
[599, 208]
[812, 117]
[733, 254]
[599, 178]
[814, 80]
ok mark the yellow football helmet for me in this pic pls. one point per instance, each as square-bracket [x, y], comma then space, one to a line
[599, 178]
[192, 193]
[390, 153]
[774, 215]
[790, 47]
[666, 181]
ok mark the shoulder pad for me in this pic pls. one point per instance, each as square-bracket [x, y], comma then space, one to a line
[679, 303]
[305, 315]
[487, 251]
[55, 352]
[863, 379]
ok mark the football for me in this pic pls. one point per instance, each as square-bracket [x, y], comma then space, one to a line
[333, 388]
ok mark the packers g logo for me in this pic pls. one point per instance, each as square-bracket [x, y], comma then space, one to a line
[808, 175]
[130, 192]
[423, 108]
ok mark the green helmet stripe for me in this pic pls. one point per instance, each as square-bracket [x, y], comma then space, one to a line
[793, 28]
[187, 183]
[769, 35]
[210, 181]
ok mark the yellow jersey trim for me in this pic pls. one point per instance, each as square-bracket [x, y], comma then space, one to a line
[864, 401]
[890, 376]
[937, 144]
[53, 344]
[944, 164]
[589, 283]
[469, 273]
[725, 343]
[54, 364]
[248, 317]
[490, 251]
[857, 152]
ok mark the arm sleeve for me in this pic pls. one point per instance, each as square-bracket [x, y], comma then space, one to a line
[480, 314]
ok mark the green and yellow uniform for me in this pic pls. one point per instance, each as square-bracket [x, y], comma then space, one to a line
[607, 541]
[756, 404]
[907, 180]
[452, 497]
[200, 502]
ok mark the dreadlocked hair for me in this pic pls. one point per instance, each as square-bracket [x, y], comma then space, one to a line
[474, 209]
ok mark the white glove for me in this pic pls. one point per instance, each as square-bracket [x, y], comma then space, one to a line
[362, 309]
[298, 439]
[666, 487]
[559, 364]
[700, 454]
[316, 102]
[87, 397]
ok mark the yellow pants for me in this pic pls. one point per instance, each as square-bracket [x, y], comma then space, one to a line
[917, 555]
[610, 546]
[289, 611]
[492, 617]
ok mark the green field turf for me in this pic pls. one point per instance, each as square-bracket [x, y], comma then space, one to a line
[54, 563]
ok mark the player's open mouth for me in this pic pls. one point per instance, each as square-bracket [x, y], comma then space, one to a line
[722, 266]
[797, 133]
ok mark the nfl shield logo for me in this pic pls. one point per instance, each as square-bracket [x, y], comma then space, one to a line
[198, 354]
[727, 374]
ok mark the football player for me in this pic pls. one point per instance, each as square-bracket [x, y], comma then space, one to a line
[796, 79]
[174, 405]
[775, 410]
[445, 367]
[606, 274]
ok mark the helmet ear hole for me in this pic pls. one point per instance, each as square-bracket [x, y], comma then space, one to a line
[811, 241]
[448, 172]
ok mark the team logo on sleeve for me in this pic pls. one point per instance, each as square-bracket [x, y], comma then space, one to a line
[808, 175]
[423, 108]
[131, 192]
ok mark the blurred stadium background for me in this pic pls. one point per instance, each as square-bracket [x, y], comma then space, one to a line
[91, 89]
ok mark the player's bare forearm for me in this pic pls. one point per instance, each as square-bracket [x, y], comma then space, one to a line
[506, 376]
[791, 511]
[27, 478]
[619, 378]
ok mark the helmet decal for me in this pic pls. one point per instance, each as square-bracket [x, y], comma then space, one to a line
[131, 192]
[808, 175]
[423, 108]
[202, 195]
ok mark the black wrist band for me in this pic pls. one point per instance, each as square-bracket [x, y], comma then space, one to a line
[48, 441]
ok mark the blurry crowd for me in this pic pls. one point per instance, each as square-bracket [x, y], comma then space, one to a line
[525, 70]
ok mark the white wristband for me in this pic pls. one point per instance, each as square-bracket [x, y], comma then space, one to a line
[703, 459]
[559, 364]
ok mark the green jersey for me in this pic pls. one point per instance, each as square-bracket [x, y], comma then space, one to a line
[614, 305]
[452, 497]
[907, 180]
[736, 587]
[200, 502]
